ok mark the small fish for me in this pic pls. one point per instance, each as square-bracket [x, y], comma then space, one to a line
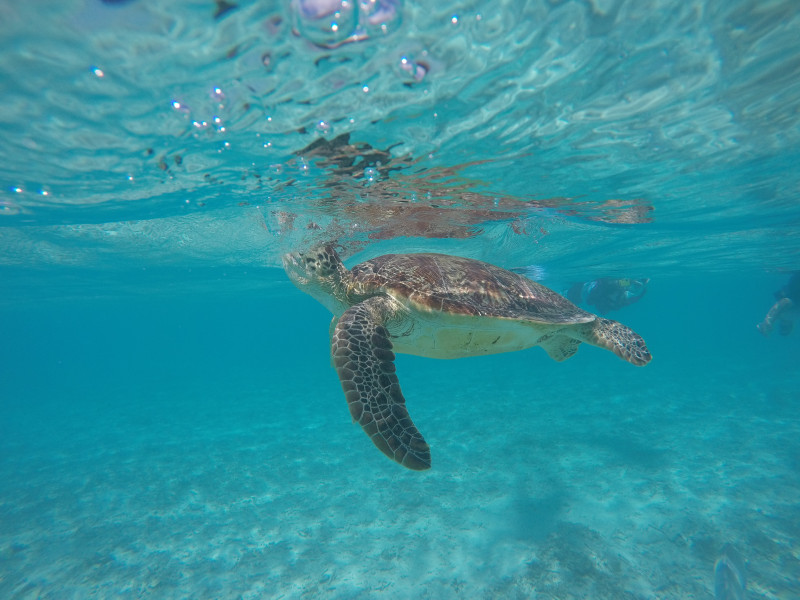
[729, 575]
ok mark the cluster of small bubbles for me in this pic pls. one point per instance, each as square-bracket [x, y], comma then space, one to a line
[200, 124]
[370, 175]
[267, 144]
[218, 123]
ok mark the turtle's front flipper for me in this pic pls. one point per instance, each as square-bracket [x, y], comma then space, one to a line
[621, 340]
[363, 358]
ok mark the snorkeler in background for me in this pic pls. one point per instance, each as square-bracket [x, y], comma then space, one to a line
[730, 580]
[785, 310]
[607, 294]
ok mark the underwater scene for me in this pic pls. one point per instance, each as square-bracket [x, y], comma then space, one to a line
[400, 299]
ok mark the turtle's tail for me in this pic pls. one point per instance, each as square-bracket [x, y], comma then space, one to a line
[621, 340]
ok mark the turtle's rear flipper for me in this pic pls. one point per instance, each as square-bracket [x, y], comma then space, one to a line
[363, 358]
[560, 347]
[621, 340]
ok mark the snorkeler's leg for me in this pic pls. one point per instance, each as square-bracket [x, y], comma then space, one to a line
[779, 308]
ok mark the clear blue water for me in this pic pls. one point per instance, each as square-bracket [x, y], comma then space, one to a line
[170, 425]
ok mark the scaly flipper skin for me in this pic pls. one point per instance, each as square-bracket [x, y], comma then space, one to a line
[363, 358]
[621, 340]
[560, 347]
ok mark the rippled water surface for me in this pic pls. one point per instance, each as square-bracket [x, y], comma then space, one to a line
[170, 423]
[561, 130]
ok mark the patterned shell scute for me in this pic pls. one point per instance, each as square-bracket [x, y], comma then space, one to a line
[440, 282]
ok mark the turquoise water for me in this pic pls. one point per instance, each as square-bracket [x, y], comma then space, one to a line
[170, 424]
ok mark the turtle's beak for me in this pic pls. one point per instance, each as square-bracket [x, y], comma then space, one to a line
[293, 265]
[291, 260]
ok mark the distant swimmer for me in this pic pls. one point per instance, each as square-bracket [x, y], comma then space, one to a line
[785, 310]
[607, 294]
[729, 575]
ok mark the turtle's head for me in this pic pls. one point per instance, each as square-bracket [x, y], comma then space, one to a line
[320, 273]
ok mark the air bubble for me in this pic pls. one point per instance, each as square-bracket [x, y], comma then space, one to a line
[180, 107]
[370, 175]
[381, 13]
[218, 95]
[323, 127]
[326, 23]
[331, 23]
[411, 69]
[9, 208]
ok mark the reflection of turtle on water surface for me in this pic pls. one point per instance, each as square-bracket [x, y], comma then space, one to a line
[437, 306]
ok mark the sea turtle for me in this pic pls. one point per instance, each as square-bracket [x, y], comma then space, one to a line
[438, 306]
